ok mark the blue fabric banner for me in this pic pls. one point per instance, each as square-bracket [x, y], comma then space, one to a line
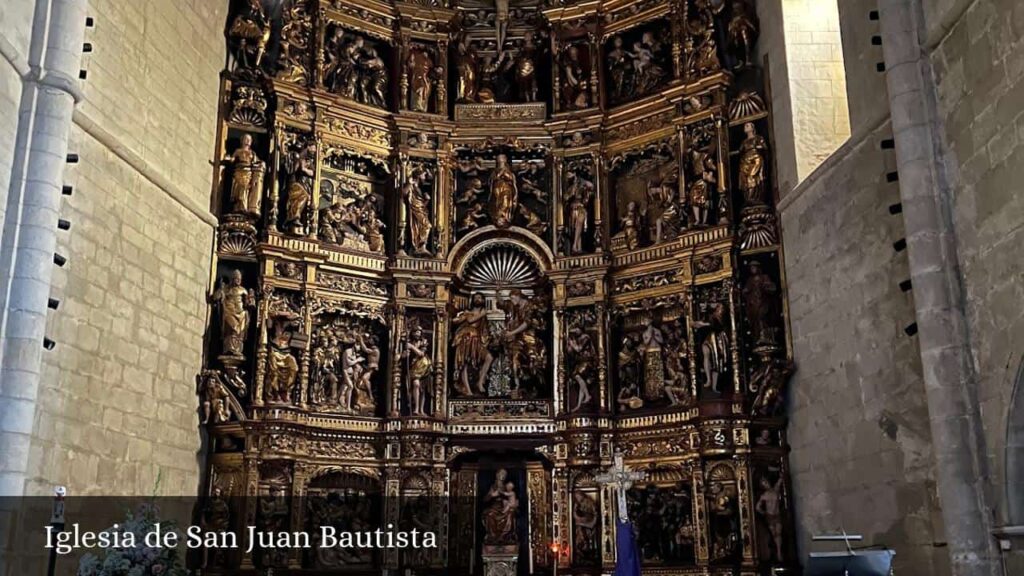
[628, 556]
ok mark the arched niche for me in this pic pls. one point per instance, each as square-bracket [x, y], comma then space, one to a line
[501, 334]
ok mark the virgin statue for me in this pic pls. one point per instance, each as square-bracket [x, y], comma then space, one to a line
[499, 512]
[504, 193]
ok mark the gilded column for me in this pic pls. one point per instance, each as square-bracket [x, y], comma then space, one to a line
[440, 400]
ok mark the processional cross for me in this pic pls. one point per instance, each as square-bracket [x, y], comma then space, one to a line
[620, 478]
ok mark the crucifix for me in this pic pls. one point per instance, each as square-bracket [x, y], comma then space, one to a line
[620, 478]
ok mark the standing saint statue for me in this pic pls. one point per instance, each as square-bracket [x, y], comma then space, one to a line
[760, 293]
[579, 195]
[471, 341]
[418, 369]
[301, 167]
[247, 172]
[420, 67]
[418, 203]
[752, 166]
[467, 69]
[714, 346]
[504, 193]
[234, 301]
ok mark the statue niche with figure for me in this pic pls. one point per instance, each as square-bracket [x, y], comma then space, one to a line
[500, 508]
[500, 351]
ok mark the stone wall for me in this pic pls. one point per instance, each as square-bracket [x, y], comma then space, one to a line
[978, 58]
[117, 404]
[862, 453]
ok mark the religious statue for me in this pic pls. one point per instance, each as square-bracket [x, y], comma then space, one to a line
[501, 21]
[701, 47]
[216, 517]
[637, 71]
[474, 216]
[531, 220]
[677, 379]
[373, 226]
[351, 369]
[418, 370]
[422, 74]
[293, 51]
[629, 226]
[582, 356]
[722, 501]
[578, 197]
[332, 221]
[500, 508]
[629, 374]
[504, 193]
[282, 367]
[619, 61]
[769, 506]
[250, 33]
[752, 166]
[301, 168]
[743, 31]
[575, 86]
[324, 370]
[354, 68]
[365, 403]
[247, 172]
[374, 81]
[526, 69]
[584, 521]
[760, 298]
[521, 341]
[418, 203]
[216, 397]
[714, 346]
[768, 382]
[652, 339]
[234, 301]
[467, 69]
[667, 224]
[273, 517]
[473, 357]
[532, 180]
[703, 169]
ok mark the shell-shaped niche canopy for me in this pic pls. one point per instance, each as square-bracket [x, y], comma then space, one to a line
[502, 267]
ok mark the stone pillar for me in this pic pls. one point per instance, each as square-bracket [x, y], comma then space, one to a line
[49, 94]
[950, 380]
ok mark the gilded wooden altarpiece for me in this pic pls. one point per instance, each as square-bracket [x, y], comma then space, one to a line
[470, 249]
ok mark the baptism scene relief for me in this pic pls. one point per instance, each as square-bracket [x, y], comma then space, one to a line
[504, 269]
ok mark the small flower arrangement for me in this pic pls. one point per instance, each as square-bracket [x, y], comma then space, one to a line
[140, 560]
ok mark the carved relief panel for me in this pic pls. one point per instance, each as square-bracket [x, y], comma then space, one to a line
[502, 186]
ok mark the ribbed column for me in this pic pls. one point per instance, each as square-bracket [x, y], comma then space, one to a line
[950, 379]
[49, 94]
